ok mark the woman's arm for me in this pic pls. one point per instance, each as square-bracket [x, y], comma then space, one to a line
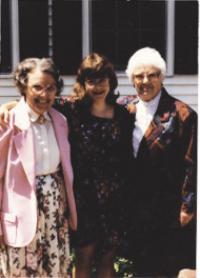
[65, 105]
[62, 104]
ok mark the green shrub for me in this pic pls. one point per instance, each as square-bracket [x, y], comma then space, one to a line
[123, 267]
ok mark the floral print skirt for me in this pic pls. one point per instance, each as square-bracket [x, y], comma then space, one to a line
[48, 253]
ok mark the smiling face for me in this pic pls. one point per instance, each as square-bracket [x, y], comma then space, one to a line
[41, 91]
[97, 88]
[147, 81]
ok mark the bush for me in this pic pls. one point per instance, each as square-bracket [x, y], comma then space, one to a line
[123, 267]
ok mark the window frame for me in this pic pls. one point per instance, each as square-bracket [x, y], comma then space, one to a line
[14, 33]
[0, 31]
[86, 30]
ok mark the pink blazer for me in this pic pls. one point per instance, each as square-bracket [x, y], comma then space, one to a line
[18, 203]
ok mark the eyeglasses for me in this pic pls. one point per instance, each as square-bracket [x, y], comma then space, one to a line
[151, 76]
[49, 89]
[95, 81]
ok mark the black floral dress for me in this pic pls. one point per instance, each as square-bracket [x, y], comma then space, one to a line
[101, 152]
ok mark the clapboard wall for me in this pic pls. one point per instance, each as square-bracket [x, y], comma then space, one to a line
[184, 87]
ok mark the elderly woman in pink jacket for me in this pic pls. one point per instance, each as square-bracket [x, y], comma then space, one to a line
[36, 195]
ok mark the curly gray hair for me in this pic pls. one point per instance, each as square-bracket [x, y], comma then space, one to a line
[29, 65]
[145, 57]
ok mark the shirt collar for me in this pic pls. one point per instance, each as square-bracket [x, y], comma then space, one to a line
[33, 116]
[152, 103]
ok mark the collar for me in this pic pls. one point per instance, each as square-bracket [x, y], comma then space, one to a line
[152, 103]
[33, 116]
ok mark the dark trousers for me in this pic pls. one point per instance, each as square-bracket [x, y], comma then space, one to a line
[155, 254]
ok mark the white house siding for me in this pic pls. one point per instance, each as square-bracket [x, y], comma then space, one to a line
[183, 87]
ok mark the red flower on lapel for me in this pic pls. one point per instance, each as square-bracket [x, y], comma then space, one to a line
[165, 117]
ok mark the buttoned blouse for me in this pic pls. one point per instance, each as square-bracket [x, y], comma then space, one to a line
[47, 154]
[145, 112]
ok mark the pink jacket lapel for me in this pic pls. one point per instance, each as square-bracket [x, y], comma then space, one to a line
[24, 141]
[61, 131]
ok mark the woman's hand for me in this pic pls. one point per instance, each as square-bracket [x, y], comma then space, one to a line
[187, 273]
[131, 108]
[72, 98]
[185, 218]
[4, 113]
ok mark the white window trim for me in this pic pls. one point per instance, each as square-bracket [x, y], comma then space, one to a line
[14, 20]
[0, 31]
[86, 27]
[50, 28]
[170, 33]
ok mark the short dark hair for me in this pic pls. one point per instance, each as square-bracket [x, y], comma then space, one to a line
[29, 65]
[96, 66]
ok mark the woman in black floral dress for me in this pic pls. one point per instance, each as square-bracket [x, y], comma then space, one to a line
[100, 137]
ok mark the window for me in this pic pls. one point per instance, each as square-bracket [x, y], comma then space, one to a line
[119, 28]
[5, 58]
[33, 28]
[68, 29]
[186, 33]
[67, 38]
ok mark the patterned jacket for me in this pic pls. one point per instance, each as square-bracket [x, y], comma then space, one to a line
[165, 166]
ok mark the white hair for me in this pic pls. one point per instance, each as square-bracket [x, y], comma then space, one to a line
[145, 57]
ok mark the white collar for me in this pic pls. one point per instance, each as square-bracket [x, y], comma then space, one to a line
[33, 116]
[152, 103]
